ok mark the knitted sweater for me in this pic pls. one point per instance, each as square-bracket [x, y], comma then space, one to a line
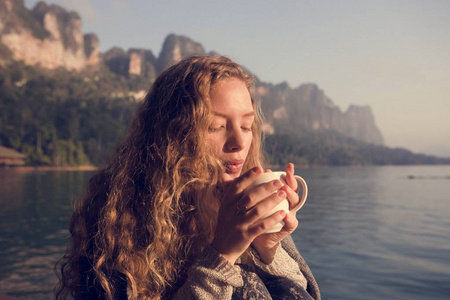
[212, 276]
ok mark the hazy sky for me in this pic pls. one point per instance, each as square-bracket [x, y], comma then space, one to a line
[392, 55]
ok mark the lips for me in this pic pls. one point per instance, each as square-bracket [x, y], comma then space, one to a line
[233, 166]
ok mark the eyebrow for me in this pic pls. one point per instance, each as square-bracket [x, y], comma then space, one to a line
[249, 114]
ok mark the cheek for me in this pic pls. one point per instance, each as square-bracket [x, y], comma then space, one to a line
[248, 143]
[214, 144]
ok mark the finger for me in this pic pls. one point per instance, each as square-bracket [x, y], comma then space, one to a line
[240, 183]
[290, 179]
[267, 171]
[290, 223]
[255, 194]
[263, 207]
[289, 168]
[265, 224]
[292, 197]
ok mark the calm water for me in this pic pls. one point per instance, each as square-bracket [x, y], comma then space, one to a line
[366, 232]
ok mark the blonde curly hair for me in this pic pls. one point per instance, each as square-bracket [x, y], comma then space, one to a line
[152, 209]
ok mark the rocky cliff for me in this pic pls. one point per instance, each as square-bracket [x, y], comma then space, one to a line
[307, 107]
[47, 36]
[50, 37]
[175, 48]
[138, 62]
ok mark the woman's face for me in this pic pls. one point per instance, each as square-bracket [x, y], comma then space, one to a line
[230, 134]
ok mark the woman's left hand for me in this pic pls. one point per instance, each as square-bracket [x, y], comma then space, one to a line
[267, 243]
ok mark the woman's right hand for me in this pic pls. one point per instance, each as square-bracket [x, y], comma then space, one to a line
[235, 232]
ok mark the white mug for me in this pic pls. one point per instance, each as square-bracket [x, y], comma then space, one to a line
[283, 205]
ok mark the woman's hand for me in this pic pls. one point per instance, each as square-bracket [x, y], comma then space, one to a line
[240, 215]
[267, 244]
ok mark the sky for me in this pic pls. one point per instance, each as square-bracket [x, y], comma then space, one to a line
[393, 55]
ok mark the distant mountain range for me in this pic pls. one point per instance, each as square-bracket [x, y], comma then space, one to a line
[50, 37]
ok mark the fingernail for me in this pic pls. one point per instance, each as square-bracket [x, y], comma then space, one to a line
[282, 194]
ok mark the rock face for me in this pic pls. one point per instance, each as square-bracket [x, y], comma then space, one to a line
[360, 124]
[92, 49]
[142, 62]
[116, 60]
[139, 62]
[48, 36]
[175, 48]
[308, 107]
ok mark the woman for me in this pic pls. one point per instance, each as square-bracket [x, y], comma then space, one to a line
[172, 215]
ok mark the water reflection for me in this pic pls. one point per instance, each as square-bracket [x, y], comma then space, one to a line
[36, 207]
[374, 231]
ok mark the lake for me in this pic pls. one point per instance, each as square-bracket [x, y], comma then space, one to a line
[366, 232]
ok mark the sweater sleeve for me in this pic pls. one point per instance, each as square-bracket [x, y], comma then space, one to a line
[312, 286]
[282, 266]
[210, 277]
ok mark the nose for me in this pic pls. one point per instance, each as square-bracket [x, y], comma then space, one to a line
[235, 140]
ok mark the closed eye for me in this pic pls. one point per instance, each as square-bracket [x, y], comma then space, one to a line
[215, 129]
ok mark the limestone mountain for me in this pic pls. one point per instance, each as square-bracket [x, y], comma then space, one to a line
[175, 48]
[47, 36]
[140, 62]
[307, 107]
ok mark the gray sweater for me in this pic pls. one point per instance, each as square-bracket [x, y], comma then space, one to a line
[214, 277]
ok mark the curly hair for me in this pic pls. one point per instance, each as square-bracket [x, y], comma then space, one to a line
[152, 208]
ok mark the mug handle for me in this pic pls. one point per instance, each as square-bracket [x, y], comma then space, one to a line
[303, 196]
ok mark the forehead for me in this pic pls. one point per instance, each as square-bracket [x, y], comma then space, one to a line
[231, 95]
